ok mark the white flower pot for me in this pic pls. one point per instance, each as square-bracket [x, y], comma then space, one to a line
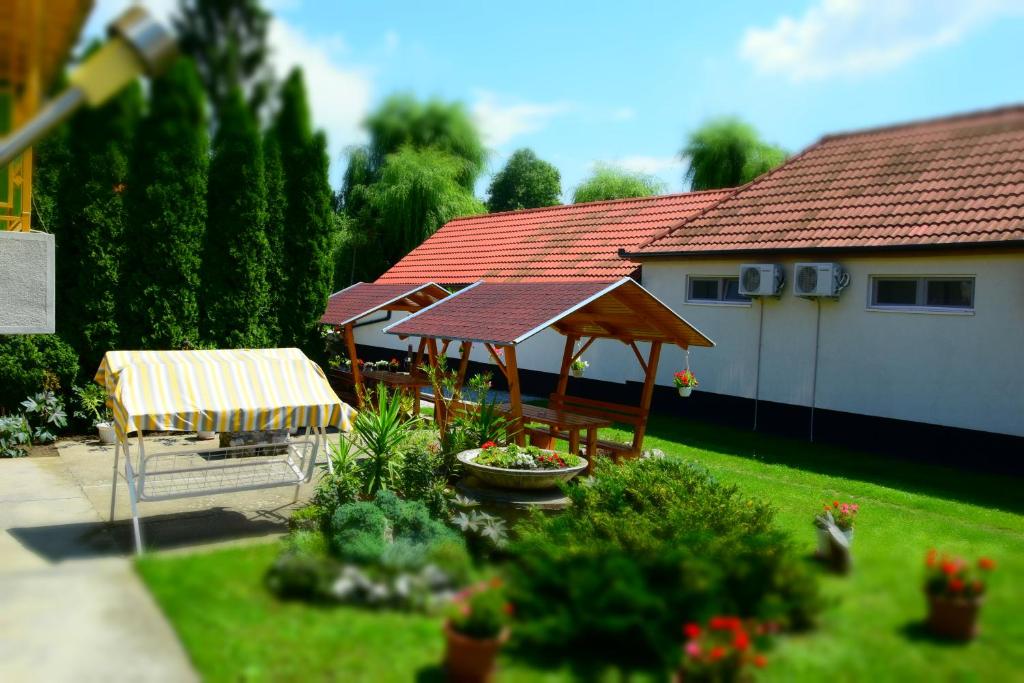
[577, 373]
[106, 433]
[685, 391]
[205, 435]
[824, 545]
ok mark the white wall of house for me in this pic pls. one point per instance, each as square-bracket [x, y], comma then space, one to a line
[959, 369]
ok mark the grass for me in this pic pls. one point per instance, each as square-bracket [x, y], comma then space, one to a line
[872, 629]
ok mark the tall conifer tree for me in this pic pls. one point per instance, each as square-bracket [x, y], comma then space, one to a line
[307, 265]
[90, 224]
[235, 292]
[275, 231]
[166, 204]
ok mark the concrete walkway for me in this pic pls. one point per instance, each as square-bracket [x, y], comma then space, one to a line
[71, 605]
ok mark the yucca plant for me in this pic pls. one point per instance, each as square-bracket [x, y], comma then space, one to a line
[380, 432]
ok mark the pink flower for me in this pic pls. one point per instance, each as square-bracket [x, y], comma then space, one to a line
[693, 649]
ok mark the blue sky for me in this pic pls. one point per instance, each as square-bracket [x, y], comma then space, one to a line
[586, 82]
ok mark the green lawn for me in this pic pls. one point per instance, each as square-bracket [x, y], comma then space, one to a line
[871, 631]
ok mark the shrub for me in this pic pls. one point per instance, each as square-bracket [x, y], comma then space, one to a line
[24, 362]
[422, 474]
[45, 413]
[380, 434]
[301, 575]
[648, 545]
[15, 436]
[396, 535]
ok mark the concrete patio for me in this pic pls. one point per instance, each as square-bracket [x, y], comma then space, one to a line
[72, 607]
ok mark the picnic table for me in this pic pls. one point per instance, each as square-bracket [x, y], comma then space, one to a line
[559, 421]
[399, 381]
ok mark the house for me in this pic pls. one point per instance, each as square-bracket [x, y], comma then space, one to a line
[925, 222]
[573, 243]
[915, 235]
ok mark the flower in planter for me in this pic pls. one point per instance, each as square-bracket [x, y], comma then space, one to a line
[514, 457]
[720, 650]
[393, 364]
[843, 515]
[954, 579]
[684, 379]
[955, 591]
[475, 631]
[579, 366]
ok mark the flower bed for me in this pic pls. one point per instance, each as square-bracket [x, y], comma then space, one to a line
[519, 467]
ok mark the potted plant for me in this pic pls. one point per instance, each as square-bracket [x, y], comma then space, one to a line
[394, 365]
[206, 434]
[955, 594]
[521, 467]
[719, 651]
[685, 382]
[839, 515]
[475, 631]
[579, 366]
[93, 403]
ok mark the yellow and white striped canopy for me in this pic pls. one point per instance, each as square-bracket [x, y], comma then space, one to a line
[225, 391]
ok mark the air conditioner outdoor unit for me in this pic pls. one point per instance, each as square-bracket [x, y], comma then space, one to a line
[761, 279]
[819, 279]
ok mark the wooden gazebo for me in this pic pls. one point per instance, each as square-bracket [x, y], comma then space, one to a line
[502, 315]
[346, 307]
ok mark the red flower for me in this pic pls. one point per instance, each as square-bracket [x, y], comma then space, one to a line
[930, 558]
[956, 585]
[717, 653]
[760, 661]
[742, 641]
[724, 623]
[691, 631]
[488, 444]
[949, 567]
[835, 503]
[987, 563]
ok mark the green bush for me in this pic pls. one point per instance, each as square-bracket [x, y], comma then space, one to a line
[395, 535]
[24, 361]
[648, 546]
[422, 474]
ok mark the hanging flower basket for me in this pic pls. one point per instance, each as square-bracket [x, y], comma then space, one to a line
[685, 382]
[578, 367]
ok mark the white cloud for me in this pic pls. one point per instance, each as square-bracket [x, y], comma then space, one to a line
[500, 121]
[650, 165]
[339, 94]
[853, 37]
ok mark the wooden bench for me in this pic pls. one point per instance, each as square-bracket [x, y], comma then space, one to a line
[634, 416]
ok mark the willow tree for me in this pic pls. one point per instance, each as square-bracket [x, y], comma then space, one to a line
[418, 192]
[400, 129]
[611, 182]
[726, 152]
[235, 300]
[166, 215]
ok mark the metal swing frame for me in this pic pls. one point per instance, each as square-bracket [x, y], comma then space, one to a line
[162, 476]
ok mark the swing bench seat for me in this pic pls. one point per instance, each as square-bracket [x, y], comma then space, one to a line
[634, 416]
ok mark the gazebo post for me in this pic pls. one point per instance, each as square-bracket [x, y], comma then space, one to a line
[648, 390]
[418, 363]
[357, 375]
[460, 379]
[563, 373]
[514, 398]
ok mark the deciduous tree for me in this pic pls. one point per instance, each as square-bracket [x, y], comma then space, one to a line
[726, 152]
[526, 182]
[611, 182]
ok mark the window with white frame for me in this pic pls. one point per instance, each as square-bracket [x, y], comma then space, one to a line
[937, 293]
[714, 290]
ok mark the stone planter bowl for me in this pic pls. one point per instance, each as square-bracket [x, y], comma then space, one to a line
[518, 479]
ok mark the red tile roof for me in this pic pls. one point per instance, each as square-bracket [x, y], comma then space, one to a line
[364, 298]
[944, 182]
[560, 243]
[508, 313]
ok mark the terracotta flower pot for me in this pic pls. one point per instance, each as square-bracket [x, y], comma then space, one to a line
[955, 619]
[471, 660]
